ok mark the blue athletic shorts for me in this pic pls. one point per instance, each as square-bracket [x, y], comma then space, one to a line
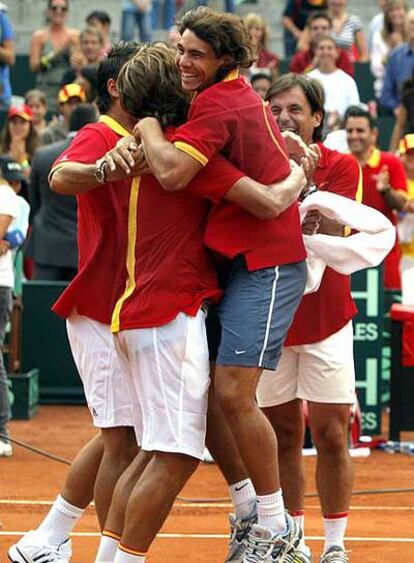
[248, 327]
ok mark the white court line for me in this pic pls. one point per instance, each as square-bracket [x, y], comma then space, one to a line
[226, 536]
[19, 502]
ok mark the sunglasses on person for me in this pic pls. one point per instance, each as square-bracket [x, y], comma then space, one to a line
[57, 8]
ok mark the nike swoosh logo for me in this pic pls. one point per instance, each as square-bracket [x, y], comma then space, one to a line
[240, 488]
[238, 352]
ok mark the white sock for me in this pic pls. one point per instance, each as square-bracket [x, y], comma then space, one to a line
[107, 549]
[335, 528]
[299, 517]
[271, 512]
[243, 497]
[124, 557]
[60, 521]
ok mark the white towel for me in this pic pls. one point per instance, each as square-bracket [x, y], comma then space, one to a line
[346, 255]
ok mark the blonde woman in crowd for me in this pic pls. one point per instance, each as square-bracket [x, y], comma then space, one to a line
[347, 31]
[260, 34]
[51, 49]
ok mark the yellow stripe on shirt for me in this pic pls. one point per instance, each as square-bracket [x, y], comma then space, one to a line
[269, 128]
[189, 149]
[130, 263]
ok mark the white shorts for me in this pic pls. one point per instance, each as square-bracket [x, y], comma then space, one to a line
[323, 372]
[169, 367]
[107, 392]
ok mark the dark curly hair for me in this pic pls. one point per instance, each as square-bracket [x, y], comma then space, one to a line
[225, 33]
[149, 85]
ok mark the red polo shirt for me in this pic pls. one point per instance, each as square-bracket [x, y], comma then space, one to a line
[324, 312]
[102, 234]
[301, 62]
[229, 117]
[398, 181]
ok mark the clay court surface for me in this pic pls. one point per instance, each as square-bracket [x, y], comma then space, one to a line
[381, 528]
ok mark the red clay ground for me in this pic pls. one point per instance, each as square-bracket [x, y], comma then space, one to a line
[381, 528]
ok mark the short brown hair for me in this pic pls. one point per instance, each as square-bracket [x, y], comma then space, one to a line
[225, 33]
[312, 89]
[149, 85]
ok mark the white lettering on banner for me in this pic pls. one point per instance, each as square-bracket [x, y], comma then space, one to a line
[371, 294]
[371, 382]
[365, 331]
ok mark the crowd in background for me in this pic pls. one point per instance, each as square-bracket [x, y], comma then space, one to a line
[321, 38]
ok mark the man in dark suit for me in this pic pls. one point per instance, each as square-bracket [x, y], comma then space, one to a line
[53, 241]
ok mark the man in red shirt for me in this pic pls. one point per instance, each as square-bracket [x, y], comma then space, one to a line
[317, 359]
[267, 268]
[319, 25]
[384, 180]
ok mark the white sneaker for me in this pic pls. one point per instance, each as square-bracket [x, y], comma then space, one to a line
[33, 548]
[6, 449]
[263, 547]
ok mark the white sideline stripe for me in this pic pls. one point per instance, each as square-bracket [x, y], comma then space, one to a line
[226, 536]
[22, 502]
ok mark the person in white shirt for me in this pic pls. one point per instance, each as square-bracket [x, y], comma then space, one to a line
[341, 90]
[11, 176]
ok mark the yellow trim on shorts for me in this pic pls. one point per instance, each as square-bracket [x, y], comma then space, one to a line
[269, 128]
[190, 150]
[130, 262]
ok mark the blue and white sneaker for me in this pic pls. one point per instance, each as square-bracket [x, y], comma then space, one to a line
[264, 547]
[32, 548]
[239, 530]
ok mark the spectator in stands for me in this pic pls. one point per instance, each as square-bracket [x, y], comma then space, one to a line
[400, 67]
[53, 240]
[136, 13]
[319, 25]
[406, 223]
[340, 89]
[404, 120]
[88, 54]
[7, 59]
[69, 97]
[18, 138]
[36, 101]
[348, 31]
[88, 80]
[101, 20]
[173, 36]
[385, 41]
[50, 51]
[11, 176]
[261, 79]
[259, 34]
[383, 178]
[294, 20]
[162, 14]
[376, 23]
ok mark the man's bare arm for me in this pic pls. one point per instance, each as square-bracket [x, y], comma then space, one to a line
[173, 168]
[267, 202]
